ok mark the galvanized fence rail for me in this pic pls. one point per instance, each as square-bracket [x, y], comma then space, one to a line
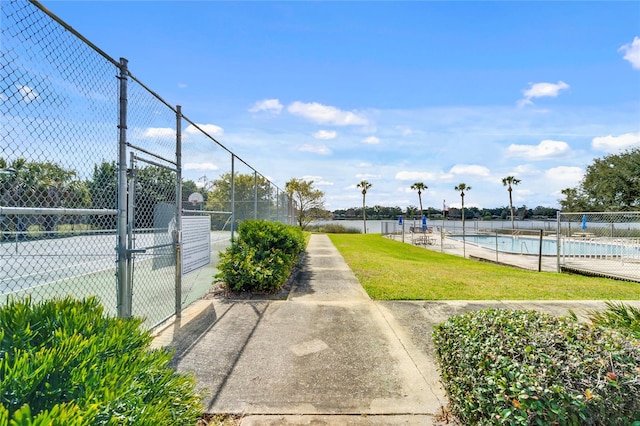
[93, 199]
[600, 243]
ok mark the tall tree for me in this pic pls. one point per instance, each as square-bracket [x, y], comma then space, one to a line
[574, 201]
[510, 181]
[41, 185]
[610, 183]
[419, 186]
[309, 201]
[244, 186]
[103, 191]
[462, 187]
[364, 185]
[613, 182]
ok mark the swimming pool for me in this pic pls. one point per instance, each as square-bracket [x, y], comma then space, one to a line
[525, 245]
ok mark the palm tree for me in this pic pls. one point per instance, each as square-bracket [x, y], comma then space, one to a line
[509, 181]
[365, 187]
[463, 187]
[420, 187]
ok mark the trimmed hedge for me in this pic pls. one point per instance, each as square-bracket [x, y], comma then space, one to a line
[64, 362]
[529, 368]
[262, 256]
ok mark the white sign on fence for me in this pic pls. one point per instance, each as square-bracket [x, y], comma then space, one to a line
[196, 243]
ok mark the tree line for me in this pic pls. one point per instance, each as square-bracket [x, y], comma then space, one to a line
[611, 183]
[45, 184]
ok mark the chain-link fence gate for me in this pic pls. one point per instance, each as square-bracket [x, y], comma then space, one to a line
[91, 200]
[600, 243]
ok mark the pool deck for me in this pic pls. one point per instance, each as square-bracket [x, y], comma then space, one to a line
[616, 268]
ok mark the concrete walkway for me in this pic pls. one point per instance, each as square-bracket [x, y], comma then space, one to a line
[325, 355]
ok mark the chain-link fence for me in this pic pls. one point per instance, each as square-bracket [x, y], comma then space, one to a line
[603, 243]
[93, 198]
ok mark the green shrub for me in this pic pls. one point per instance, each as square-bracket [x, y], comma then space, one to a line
[66, 362]
[262, 256]
[529, 368]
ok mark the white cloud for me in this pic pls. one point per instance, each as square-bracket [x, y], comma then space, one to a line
[632, 53]
[182, 86]
[541, 90]
[268, 105]
[317, 180]
[367, 176]
[200, 166]
[324, 114]
[372, 140]
[325, 134]
[524, 170]
[210, 129]
[415, 176]
[544, 150]
[159, 132]
[364, 164]
[565, 176]
[469, 169]
[27, 93]
[316, 149]
[613, 144]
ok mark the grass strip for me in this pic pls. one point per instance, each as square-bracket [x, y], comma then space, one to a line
[391, 270]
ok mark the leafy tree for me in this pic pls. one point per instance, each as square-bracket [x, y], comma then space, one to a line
[510, 181]
[189, 187]
[103, 191]
[544, 212]
[364, 185]
[244, 185]
[574, 200]
[610, 183]
[41, 185]
[154, 185]
[309, 201]
[613, 182]
[419, 186]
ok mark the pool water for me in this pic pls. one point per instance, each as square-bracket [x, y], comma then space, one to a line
[525, 245]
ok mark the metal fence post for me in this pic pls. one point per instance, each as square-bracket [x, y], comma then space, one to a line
[277, 204]
[558, 239]
[233, 195]
[270, 203]
[131, 225]
[255, 194]
[177, 237]
[123, 295]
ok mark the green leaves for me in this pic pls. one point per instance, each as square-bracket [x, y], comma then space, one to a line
[262, 257]
[63, 362]
[525, 367]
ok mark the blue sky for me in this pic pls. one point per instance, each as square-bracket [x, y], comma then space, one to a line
[391, 92]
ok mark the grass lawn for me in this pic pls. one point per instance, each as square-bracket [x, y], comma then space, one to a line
[391, 270]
